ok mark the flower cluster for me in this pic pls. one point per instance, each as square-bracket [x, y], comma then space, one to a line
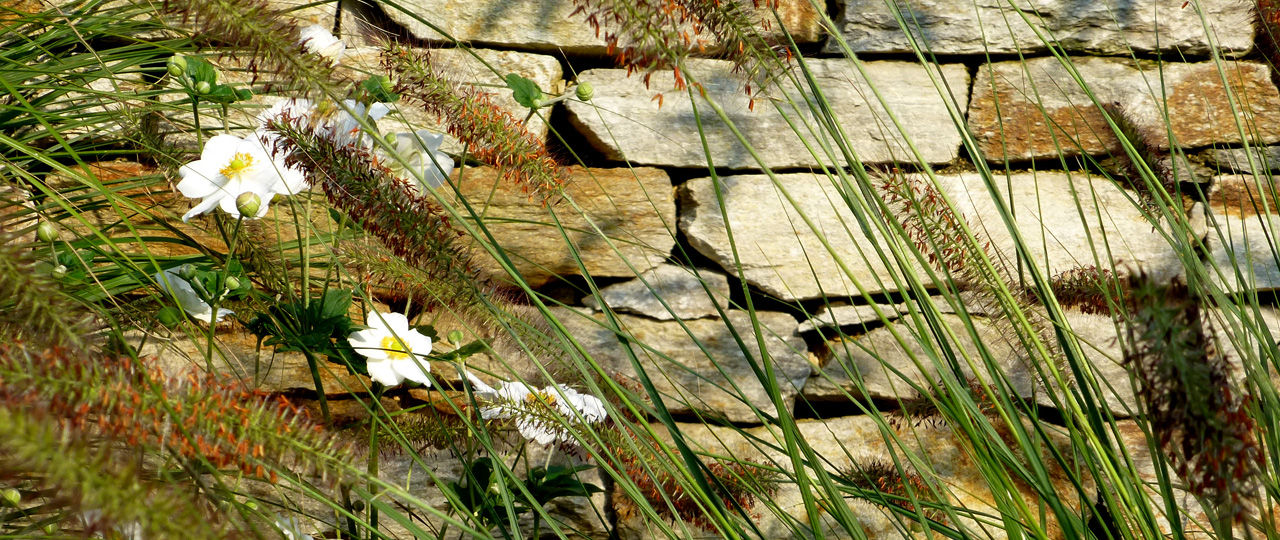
[396, 352]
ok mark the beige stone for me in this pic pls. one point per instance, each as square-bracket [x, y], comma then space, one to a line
[651, 124]
[717, 382]
[553, 26]
[1107, 26]
[779, 252]
[1244, 221]
[634, 209]
[1035, 110]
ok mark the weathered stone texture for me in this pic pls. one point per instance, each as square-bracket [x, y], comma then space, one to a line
[832, 317]
[1063, 219]
[1247, 218]
[552, 26]
[627, 120]
[1254, 159]
[1114, 27]
[1035, 110]
[633, 208]
[780, 254]
[717, 382]
[681, 290]
[842, 444]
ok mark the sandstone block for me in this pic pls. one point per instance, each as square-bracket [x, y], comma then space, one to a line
[628, 120]
[1042, 113]
[717, 382]
[780, 253]
[634, 209]
[1247, 218]
[552, 25]
[682, 291]
[1110, 27]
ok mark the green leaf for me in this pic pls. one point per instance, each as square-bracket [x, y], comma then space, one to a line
[477, 346]
[525, 91]
[378, 89]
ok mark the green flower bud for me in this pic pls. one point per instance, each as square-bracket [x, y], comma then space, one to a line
[391, 139]
[203, 87]
[46, 231]
[11, 496]
[455, 337]
[585, 91]
[233, 283]
[187, 271]
[169, 316]
[248, 203]
[59, 271]
[177, 65]
[251, 505]
[51, 529]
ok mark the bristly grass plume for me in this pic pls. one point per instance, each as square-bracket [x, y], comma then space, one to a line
[1199, 416]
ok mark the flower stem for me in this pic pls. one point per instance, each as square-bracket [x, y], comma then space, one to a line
[216, 297]
[373, 452]
[315, 378]
[195, 115]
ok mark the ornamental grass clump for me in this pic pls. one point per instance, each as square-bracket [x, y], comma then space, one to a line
[1197, 411]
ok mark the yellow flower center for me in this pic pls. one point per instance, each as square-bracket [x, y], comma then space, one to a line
[396, 349]
[541, 395]
[240, 163]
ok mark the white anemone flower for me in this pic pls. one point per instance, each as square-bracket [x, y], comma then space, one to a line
[291, 528]
[229, 166]
[319, 41]
[421, 150]
[187, 298]
[344, 127]
[528, 407]
[394, 351]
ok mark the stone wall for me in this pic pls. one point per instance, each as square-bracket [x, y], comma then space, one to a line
[991, 81]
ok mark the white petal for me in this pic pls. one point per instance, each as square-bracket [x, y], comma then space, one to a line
[369, 343]
[409, 369]
[200, 179]
[384, 372]
[206, 205]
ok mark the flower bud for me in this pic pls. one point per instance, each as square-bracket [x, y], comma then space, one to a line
[233, 283]
[51, 529]
[187, 271]
[585, 91]
[11, 496]
[203, 87]
[248, 203]
[59, 271]
[455, 337]
[46, 232]
[169, 316]
[177, 65]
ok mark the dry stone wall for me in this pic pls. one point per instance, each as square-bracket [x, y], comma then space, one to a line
[649, 206]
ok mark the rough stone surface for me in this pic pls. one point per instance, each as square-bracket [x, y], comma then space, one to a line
[1245, 210]
[633, 208]
[471, 72]
[627, 120]
[682, 291]
[550, 25]
[846, 316]
[1063, 218]
[1042, 113]
[716, 383]
[1112, 27]
[779, 252]
[236, 354]
[159, 207]
[1255, 159]
[875, 366]
[841, 443]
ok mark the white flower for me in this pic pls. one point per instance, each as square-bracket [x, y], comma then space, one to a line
[530, 408]
[292, 107]
[421, 150]
[229, 166]
[394, 351]
[318, 40]
[187, 299]
[343, 127]
[291, 528]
